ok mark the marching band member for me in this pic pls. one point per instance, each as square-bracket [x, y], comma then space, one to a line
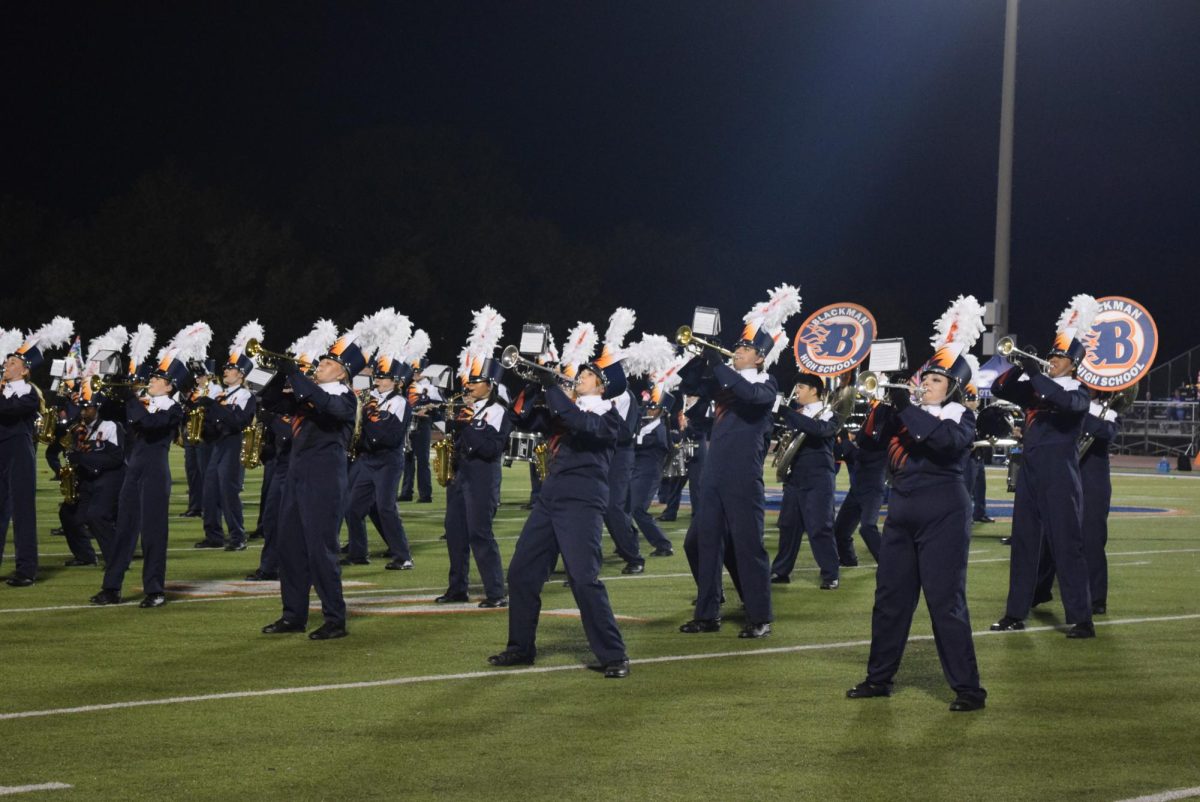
[975, 476]
[94, 450]
[196, 455]
[618, 517]
[530, 414]
[279, 421]
[226, 416]
[151, 424]
[567, 516]
[654, 355]
[866, 463]
[323, 411]
[421, 392]
[20, 402]
[927, 533]
[808, 491]
[730, 521]
[376, 473]
[1048, 501]
[480, 435]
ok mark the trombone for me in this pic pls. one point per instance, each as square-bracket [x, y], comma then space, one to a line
[869, 384]
[684, 337]
[1006, 346]
[511, 358]
[99, 384]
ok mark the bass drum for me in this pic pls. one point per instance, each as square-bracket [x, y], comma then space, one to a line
[994, 422]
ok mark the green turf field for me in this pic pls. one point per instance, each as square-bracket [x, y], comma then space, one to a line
[406, 707]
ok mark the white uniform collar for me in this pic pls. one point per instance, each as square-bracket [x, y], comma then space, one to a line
[334, 387]
[753, 375]
[593, 403]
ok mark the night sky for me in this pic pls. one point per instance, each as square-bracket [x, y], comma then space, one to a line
[846, 146]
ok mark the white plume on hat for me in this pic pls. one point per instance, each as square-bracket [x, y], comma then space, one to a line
[620, 323]
[973, 362]
[54, 334]
[770, 315]
[324, 333]
[1077, 319]
[487, 328]
[416, 348]
[251, 331]
[961, 323]
[190, 344]
[140, 345]
[578, 347]
[10, 340]
[650, 355]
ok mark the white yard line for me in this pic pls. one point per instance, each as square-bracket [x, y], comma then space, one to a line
[10, 790]
[1167, 796]
[494, 673]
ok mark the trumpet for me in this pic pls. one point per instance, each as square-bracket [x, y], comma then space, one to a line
[255, 351]
[684, 337]
[99, 384]
[870, 383]
[1006, 346]
[511, 358]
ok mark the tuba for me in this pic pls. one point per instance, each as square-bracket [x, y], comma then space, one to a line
[840, 402]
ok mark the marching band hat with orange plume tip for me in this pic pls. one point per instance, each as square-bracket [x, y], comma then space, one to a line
[475, 361]
[189, 346]
[237, 349]
[764, 323]
[955, 332]
[400, 363]
[607, 366]
[353, 350]
[54, 334]
[1074, 325]
[140, 346]
[389, 362]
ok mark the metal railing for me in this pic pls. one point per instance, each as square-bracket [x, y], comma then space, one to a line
[1160, 428]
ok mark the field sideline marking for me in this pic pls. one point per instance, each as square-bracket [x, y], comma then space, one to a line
[382, 683]
[8, 790]
[1167, 796]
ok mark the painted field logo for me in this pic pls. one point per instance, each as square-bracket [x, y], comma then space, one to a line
[834, 339]
[1122, 345]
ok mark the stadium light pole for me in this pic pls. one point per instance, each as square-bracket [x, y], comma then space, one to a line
[1004, 179]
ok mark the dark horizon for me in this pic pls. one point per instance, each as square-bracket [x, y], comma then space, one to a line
[560, 161]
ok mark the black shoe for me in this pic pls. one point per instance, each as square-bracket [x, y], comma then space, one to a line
[190, 514]
[106, 597]
[446, 598]
[236, 547]
[1084, 629]
[701, 625]
[665, 518]
[1006, 541]
[965, 704]
[849, 562]
[210, 544]
[345, 549]
[328, 631]
[492, 604]
[75, 561]
[983, 519]
[399, 565]
[424, 501]
[829, 584]
[19, 581]
[617, 669]
[348, 561]
[868, 690]
[1099, 609]
[137, 555]
[153, 600]
[663, 551]
[755, 630]
[634, 568]
[510, 657]
[255, 534]
[262, 576]
[780, 579]
[57, 532]
[281, 626]
[405, 498]
[1008, 624]
[527, 506]
[719, 601]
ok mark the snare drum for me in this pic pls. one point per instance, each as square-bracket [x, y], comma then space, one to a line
[676, 464]
[521, 446]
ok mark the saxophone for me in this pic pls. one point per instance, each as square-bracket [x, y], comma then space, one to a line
[193, 434]
[356, 435]
[443, 460]
[46, 420]
[68, 484]
[252, 440]
[541, 459]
